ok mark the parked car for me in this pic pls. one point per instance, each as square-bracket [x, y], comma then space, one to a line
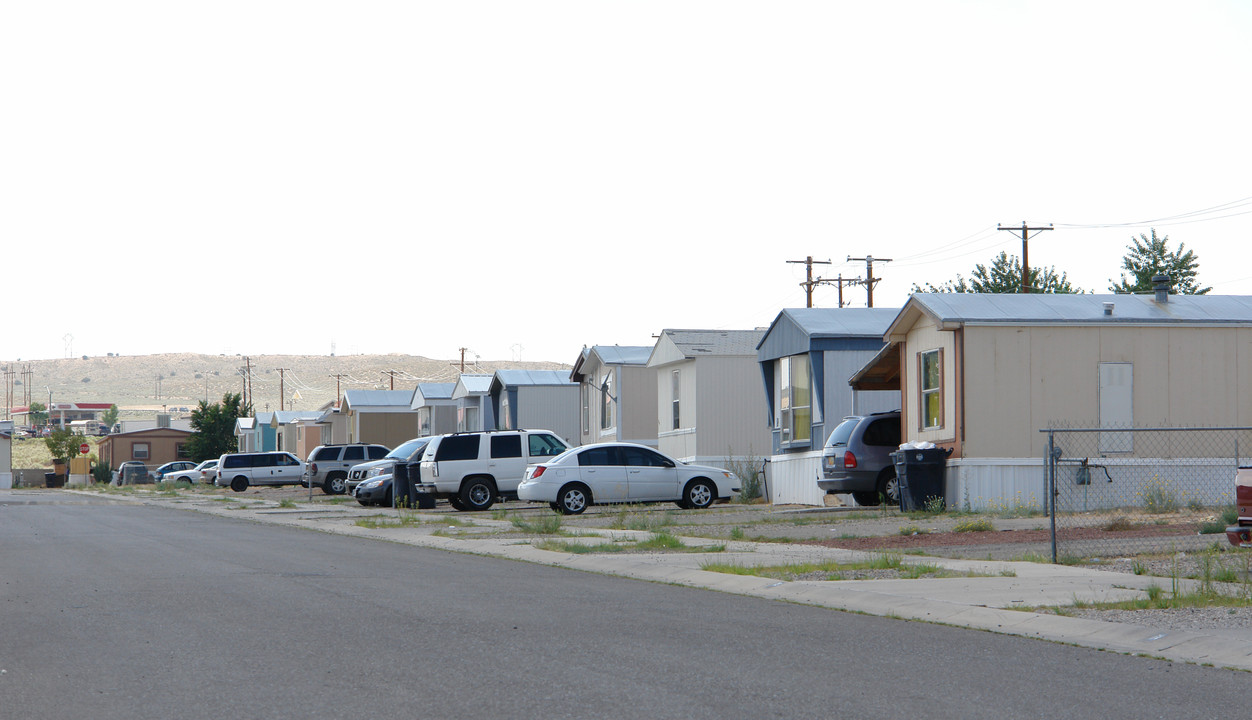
[328, 465]
[375, 491]
[623, 472]
[474, 469]
[408, 452]
[857, 458]
[130, 472]
[240, 470]
[194, 475]
[161, 474]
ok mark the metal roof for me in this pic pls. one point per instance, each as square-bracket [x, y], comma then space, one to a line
[378, 398]
[623, 354]
[436, 391]
[700, 343]
[475, 384]
[838, 322]
[533, 377]
[1070, 309]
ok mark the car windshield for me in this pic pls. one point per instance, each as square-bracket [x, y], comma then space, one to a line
[404, 451]
[841, 434]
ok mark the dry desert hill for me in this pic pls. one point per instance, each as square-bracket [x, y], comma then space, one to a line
[143, 384]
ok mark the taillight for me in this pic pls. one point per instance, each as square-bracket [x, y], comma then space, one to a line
[849, 460]
[538, 471]
[313, 468]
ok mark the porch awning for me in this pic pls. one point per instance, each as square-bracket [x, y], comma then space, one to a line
[881, 373]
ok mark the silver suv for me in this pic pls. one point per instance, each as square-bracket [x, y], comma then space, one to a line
[472, 470]
[328, 465]
[857, 458]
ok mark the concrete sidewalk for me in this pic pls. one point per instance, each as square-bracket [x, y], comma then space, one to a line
[985, 602]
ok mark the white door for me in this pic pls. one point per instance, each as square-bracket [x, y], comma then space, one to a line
[600, 469]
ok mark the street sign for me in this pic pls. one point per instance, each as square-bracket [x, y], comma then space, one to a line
[84, 448]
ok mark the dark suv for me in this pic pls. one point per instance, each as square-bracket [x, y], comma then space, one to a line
[857, 458]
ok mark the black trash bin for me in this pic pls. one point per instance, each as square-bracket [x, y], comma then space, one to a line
[421, 500]
[401, 486]
[920, 475]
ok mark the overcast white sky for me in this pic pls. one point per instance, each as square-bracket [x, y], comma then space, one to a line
[523, 178]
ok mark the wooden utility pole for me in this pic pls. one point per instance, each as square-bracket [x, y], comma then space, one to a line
[809, 282]
[393, 374]
[282, 389]
[1025, 231]
[870, 280]
[337, 377]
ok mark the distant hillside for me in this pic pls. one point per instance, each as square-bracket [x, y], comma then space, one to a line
[144, 384]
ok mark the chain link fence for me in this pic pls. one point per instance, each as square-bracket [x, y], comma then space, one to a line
[1142, 490]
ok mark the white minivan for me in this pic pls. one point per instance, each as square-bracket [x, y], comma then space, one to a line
[239, 470]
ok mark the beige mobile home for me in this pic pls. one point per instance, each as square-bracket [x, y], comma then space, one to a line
[710, 401]
[617, 399]
[984, 374]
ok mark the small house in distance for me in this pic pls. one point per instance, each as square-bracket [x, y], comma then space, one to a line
[435, 408]
[710, 401]
[536, 399]
[473, 406]
[379, 416]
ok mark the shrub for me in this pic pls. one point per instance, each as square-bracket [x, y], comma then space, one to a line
[1158, 496]
[976, 525]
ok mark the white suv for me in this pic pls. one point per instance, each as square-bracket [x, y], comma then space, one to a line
[472, 470]
[239, 470]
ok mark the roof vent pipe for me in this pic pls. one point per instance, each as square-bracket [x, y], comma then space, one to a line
[1160, 284]
[1108, 308]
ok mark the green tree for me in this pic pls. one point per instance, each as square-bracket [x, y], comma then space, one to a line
[1004, 275]
[63, 444]
[38, 413]
[214, 427]
[109, 417]
[1148, 256]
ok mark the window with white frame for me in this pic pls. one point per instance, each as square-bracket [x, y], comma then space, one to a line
[506, 417]
[675, 385]
[795, 394]
[930, 372]
[606, 401]
[586, 393]
[139, 451]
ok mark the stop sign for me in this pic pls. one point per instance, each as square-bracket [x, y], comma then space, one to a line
[84, 448]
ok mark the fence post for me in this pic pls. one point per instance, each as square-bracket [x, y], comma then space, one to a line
[1051, 483]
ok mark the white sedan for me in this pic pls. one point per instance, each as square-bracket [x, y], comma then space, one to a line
[623, 473]
[193, 475]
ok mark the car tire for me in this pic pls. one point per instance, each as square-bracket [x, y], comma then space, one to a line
[366, 503]
[573, 499]
[239, 484]
[888, 486]
[336, 484]
[477, 493]
[387, 500]
[699, 494]
[866, 498]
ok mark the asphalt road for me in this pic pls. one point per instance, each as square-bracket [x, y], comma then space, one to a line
[109, 610]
